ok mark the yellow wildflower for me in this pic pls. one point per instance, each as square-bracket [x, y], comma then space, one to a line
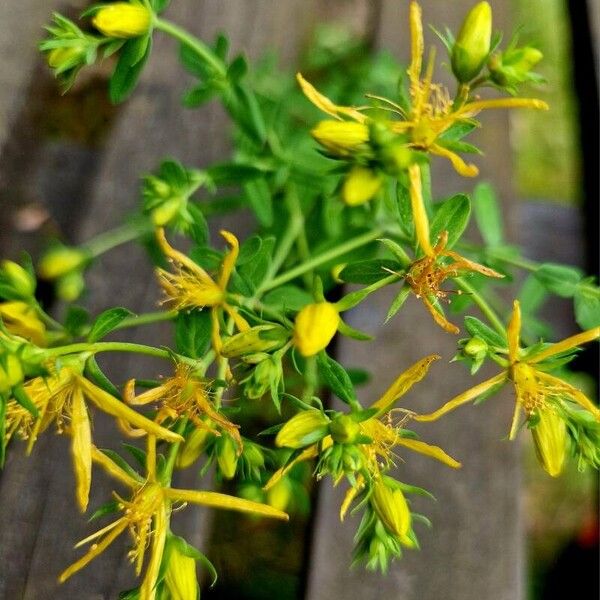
[145, 514]
[22, 319]
[192, 287]
[536, 391]
[123, 20]
[426, 275]
[315, 326]
[61, 398]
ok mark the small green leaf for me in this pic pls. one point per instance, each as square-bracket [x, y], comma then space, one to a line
[559, 279]
[259, 197]
[132, 58]
[476, 328]
[398, 302]
[369, 271]
[107, 322]
[353, 333]
[452, 216]
[288, 297]
[337, 379]
[488, 215]
[76, 320]
[587, 305]
[192, 333]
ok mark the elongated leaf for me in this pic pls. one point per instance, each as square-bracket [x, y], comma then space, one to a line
[192, 333]
[452, 216]
[559, 279]
[336, 379]
[369, 271]
[476, 328]
[488, 215]
[132, 58]
[107, 321]
[259, 197]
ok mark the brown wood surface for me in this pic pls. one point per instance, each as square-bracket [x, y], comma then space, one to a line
[475, 548]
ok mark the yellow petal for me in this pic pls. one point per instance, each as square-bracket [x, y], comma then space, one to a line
[110, 405]
[350, 495]
[513, 332]
[94, 551]
[428, 450]
[576, 395]
[417, 45]
[325, 104]
[463, 398]
[179, 257]
[465, 264]
[403, 383]
[306, 454]
[418, 209]
[230, 259]
[226, 502]
[148, 587]
[460, 166]
[567, 344]
[472, 108]
[81, 448]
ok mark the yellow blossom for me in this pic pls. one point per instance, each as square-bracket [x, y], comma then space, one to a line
[426, 275]
[123, 20]
[192, 287]
[60, 398]
[22, 319]
[360, 185]
[145, 514]
[536, 391]
[315, 326]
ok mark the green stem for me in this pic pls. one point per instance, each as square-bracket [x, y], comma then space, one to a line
[201, 49]
[115, 237]
[147, 319]
[174, 451]
[483, 305]
[316, 261]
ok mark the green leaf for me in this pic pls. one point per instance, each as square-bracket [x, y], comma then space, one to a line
[108, 508]
[458, 130]
[260, 199]
[76, 320]
[94, 372]
[488, 215]
[21, 396]
[398, 302]
[336, 379]
[353, 333]
[107, 322]
[237, 69]
[476, 328]
[452, 216]
[254, 271]
[288, 297]
[132, 58]
[198, 95]
[192, 333]
[559, 279]
[587, 305]
[369, 271]
[160, 5]
[232, 173]
[198, 227]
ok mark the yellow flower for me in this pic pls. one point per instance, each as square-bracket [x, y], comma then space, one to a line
[426, 275]
[123, 20]
[384, 434]
[192, 287]
[61, 398]
[536, 391]
[146, 513]
[315, 326]
[22, 319]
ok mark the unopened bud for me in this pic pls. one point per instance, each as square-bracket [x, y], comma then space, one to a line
[279, 496]
[227, 457]
[303, 429]
[123, 20]
[11, 373]
[514, 66]
[70, 286]
[360, 185]
[193, 447]
[315, 326]
[550, 441]
[392, 509]
[475, 347]
[61, 260]
[180, 575]
[342, 138]
[473, 42]
[21, 282]
[262, 338]
[344, 429]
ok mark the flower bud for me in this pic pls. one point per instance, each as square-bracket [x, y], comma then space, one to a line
[315, 326]
[21, 282]
[180, 575]
[473, 42]
[360, 185]
[344, 429]
[392, 509]
[398, 157]
[11, 373]
[279, 496]
[21, 319]
[514, 66]
[59, 261]
[262, 338]
[227, 457]
[342, 138]
[475, 347]
[123, 20]
[66, 57]
[70, 286]
[266, 375]
[193, 447]
[303, 429]
[550, 441]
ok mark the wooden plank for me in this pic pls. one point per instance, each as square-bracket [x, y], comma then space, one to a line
[475, 549]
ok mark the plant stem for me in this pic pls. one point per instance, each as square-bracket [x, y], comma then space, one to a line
[316, 261]
[174, 451]
[146, 319]
[483, 305]
[120, 235]
[201, 49]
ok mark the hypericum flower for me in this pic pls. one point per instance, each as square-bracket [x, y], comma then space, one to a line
[426, 276]
[145, 514]
[192, 287]
[536, 391]
[22, 319]
[315, 326]
[61, 398]
[385, 436]
[123, 20]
